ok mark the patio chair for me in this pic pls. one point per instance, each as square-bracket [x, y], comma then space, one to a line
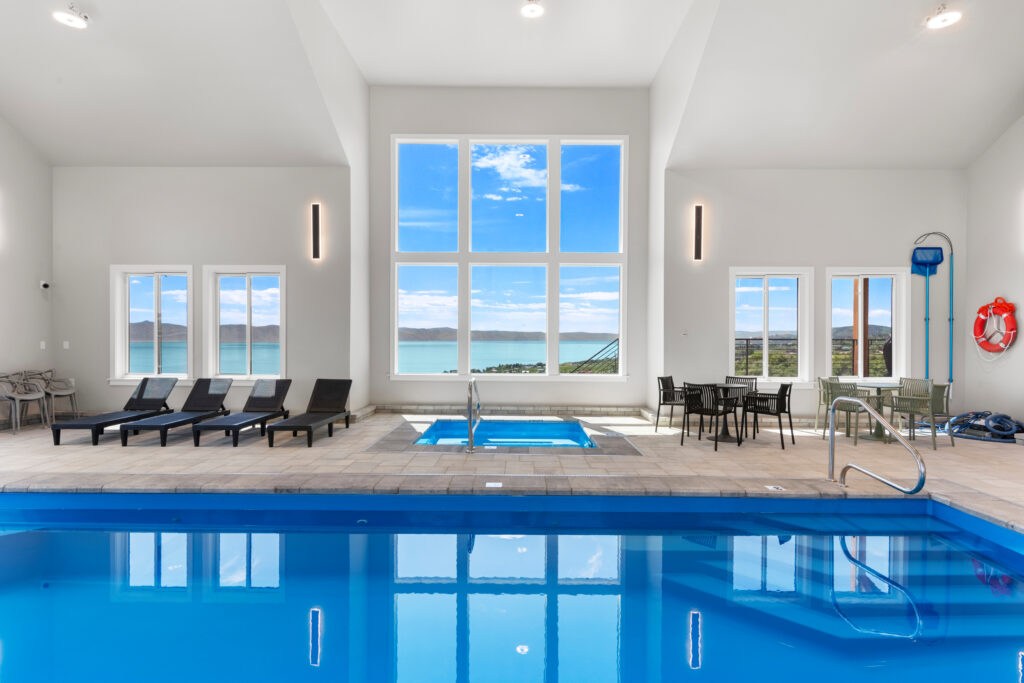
[205, 401]
[766, 403]
[668, 395]
[821, 399]
[21, 393]
[713, 404]
[691, 406]
[55, 387]
[148, 399]
[751, 385]
[265, 402]
[834, 390]
[327, 404]
[918, 398]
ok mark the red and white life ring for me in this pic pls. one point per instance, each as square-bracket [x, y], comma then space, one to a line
[1002, 309]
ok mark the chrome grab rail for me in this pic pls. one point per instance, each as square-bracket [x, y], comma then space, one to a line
[472, 411]
[850, 466]
[881, 577]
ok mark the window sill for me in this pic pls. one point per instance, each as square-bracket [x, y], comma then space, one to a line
[133, 380]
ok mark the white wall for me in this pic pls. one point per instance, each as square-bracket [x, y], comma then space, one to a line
[513, 111]
[995, 261]
[25, 213]
[212, 216]
[347, 98]
[816, 218]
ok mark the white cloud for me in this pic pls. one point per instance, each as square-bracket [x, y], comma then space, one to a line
[141, 310]
[514, 199]
[493, 197]
[593, 296]
[428, 308]
[178, 296]
[512, 164]
[571, 187]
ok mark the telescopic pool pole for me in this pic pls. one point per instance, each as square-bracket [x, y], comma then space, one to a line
[944, 236]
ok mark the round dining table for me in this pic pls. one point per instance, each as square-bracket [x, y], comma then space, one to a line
[726, 389]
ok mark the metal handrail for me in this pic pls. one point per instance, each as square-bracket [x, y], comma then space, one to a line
[850, 466]
[881, 577]
[472, 412]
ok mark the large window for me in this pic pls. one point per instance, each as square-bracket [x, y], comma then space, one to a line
[770, 323]
[867, 336]
[157, 560]
[487, 277]
[151, 310]
[246, 560]
[245, 321]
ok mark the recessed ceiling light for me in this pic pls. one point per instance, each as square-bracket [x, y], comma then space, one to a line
[942, 18]
[72, 16]
[532, 9]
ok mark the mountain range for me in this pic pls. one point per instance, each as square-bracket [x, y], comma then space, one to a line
[143, 332]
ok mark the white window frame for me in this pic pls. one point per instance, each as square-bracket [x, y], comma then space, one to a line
[211, 318]
[900, 316]
[464, 258]
[805, 308]
[119, 317]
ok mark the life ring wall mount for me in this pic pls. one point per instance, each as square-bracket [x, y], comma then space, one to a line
[1002, 337]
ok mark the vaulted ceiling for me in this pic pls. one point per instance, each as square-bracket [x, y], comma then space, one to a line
[799, 83]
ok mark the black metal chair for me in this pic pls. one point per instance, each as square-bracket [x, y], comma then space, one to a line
[751, 385]
[708, 400]
[668, 395]
[777, 404]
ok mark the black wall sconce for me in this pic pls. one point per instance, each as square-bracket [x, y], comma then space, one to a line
[316, 231]
[698, 232]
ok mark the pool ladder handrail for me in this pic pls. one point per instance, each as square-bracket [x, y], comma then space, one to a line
[851, 466]
[472, 411]
[885, 579]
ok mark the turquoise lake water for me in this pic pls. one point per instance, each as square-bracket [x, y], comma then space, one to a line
[266, 358]
[434, 356]
[413, 357]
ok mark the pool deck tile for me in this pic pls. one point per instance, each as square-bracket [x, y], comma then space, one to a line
[377, 456]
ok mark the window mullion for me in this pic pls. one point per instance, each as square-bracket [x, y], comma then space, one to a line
[764, 331]
[158, 361]
[464, 283]
[553, 252]
[248, 324]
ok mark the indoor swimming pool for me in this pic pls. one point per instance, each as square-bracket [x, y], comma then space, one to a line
[456, 588]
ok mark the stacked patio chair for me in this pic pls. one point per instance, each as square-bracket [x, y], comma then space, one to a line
[21, 393]
[55, 387]
[918, 398]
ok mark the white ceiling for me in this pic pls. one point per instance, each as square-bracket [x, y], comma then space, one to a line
[488, 43]
[792, 83]
[823, 83]
[190, 82]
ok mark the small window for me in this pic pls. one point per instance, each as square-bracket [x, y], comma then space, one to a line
[771, 320]
[157, 560]
[151, 328]
[765, 564]
[245, 321]
[249, 560]
[862, 326]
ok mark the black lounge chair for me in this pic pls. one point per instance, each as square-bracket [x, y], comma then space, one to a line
[148, 399]
[265, 402]
[205, 401]
[326, 405]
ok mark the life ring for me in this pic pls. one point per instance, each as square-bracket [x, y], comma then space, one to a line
[998, 308]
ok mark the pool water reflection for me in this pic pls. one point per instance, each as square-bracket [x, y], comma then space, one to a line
[769, 598]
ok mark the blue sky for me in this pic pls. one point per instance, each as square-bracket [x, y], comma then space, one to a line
[428, 296]
[428, 205]
[879, 301]
[509, 214]
[782, 304]
[173, 299]
[509, 298]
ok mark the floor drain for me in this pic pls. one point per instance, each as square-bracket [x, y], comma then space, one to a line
[493, 485]
[773, 487]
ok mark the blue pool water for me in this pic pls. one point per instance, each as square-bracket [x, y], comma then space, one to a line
[102, 587]
[506, 433]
